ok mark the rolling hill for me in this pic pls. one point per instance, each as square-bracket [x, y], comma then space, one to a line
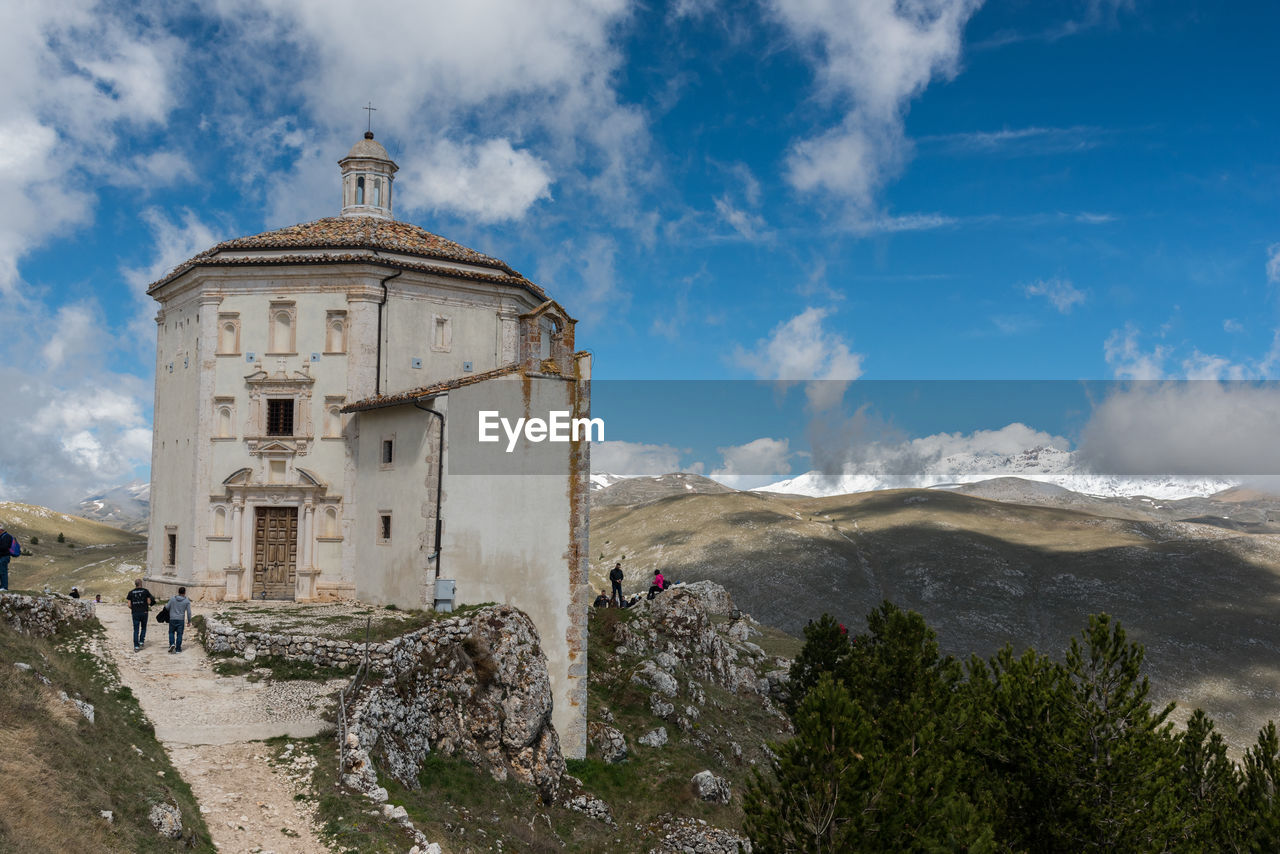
[96, 557]
[1201, 595]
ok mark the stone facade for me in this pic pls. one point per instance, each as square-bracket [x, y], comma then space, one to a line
[305, 379]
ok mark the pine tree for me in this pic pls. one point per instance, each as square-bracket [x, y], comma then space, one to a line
[826, 650]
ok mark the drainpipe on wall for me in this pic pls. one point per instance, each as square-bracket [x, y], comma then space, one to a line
[377, 368]
[439, 480]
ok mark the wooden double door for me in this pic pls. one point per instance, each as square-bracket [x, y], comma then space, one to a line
[275, 552]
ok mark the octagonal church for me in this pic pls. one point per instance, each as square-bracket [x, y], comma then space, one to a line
[303, 434]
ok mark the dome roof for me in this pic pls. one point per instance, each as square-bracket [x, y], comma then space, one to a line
[368, 148]
[349, 239]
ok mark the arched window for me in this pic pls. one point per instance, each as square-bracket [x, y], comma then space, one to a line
[227, 336]
[330, 522]
[377, 192]
[335, 338]
[220, 522]
[332, 421]
[224, 421]
[281, 331]
[360, 190]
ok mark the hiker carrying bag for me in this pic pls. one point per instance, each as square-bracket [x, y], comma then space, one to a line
[163, 615]
[15, 550]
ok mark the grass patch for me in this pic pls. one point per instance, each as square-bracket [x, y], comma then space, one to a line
[57, 770]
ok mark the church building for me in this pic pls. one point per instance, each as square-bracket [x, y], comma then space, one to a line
[317, 391]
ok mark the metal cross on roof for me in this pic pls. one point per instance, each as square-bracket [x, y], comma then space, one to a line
[371, 110]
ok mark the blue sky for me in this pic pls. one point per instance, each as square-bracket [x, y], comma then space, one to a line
[784, 189]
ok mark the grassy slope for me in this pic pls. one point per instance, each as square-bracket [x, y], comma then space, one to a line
[466, 811]
[95, 557]
[57, 770]
[983, 573]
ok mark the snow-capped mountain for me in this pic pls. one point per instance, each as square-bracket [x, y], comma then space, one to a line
[1042, 464]
[127, 507]
[603, 480]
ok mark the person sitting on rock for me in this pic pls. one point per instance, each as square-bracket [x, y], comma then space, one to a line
[632, 601]
[658, 584]
[602, 601]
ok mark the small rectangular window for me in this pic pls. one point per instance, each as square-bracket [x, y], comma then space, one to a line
[279, 417]
[384, 529]
[388, 451]
[171, 550]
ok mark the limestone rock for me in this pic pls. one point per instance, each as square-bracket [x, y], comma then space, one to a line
[660, 707]
[695, 836]
[709, 787]
[713, 598]
[657, 738]
[655, 677]
[167, 821]
[609, 741]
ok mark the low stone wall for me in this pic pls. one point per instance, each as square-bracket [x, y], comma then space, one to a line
[42, 616]
[222, 637]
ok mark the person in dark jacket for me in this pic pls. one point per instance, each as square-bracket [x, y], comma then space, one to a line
[602, 601]
[615, 578]
[140, 602]
[5, 539]
[179, 615]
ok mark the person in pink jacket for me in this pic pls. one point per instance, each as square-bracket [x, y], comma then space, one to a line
[658, 584]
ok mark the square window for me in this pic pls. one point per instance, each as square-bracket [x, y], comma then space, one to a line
[280, 416]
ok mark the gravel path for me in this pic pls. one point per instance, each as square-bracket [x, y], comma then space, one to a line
[212, 727]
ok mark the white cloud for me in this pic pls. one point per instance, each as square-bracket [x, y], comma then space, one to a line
[488, 182]
[1204, 428]
[872, 58]
[1060, 293]
[803, 350]
[1273, 263]
[749, 225]
[1232, 325]
[1128, 361]
[486, 103]
[634, 458]
[756, 463]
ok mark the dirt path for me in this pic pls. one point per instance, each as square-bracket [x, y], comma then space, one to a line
[212, 727]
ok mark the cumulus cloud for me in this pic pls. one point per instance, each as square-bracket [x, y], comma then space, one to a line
[1186, 428]
[802, 349]
[635, 458]
[502, 102]
[1060, 293]
[756, 463]
[487, 182]
[1127, 359]
[872, 58]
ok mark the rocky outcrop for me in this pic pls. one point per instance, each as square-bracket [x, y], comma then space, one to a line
[167, 820]
[677, 627]
[43, 616]
[609, 741]
[475, 686]
[695, 836]
[709, 787]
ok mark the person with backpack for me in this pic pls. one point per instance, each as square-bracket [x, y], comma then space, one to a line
[179, 609]
[140, 602]
[615, 578]
[9, 548]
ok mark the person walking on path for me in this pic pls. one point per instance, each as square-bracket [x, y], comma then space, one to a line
[6, 539]
[179, 614]
[615, 578]
[140, 602]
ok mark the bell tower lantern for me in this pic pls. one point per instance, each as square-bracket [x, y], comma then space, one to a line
[367, 172]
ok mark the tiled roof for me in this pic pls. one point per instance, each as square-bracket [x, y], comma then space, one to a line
[357, 232]
[379, 401]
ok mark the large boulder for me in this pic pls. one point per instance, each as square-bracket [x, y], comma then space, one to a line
[709, 787]
[609, 741]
